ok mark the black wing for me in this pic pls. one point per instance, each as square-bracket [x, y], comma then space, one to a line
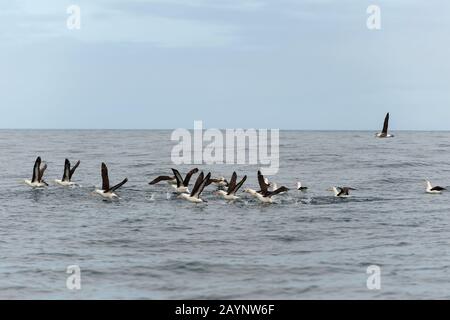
[279, 190]
[41, 172]
[161, 178]
[178, 177]
[239, 185]
[66, 174]
[386, 124]
[202, 186]
[345, 191]
[213, 181]
[210, 181]
[437, 188]
[197, 183]
[262, 183]
[105, 179]
[37, 164]
[232, 183]
[72, 171]
[117, 186]
[188, 176]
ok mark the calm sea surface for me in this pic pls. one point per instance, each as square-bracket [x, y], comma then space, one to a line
[151, 245]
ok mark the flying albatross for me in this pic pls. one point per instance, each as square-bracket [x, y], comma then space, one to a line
[38, 172]
[233, 187]
[341, 192]
[182, 184]
[434, 190]
[107, 191]
[199, 185]
[68, 173]
[265, 195]
[384, 133]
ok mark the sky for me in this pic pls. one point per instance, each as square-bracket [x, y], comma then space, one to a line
[285, 64]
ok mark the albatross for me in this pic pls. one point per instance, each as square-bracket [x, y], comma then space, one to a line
[434, 190]
[106, 191]
[273, 186]
[199, 185]
[219, 182]
[300, 187]
[254, 192]
[38, 172]
[250, 191]
[68, 173]
[182, 184]
[233, 187]
[265, 195]
[341, 192]
[384, 133]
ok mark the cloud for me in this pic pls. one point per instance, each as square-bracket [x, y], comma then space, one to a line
[313, 60]
[119, 21]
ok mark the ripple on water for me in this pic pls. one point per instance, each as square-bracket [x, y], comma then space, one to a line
[151, 244]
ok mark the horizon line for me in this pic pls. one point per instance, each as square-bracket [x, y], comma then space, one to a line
[168, 129]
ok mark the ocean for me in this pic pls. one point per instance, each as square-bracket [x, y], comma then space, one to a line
[151, 245]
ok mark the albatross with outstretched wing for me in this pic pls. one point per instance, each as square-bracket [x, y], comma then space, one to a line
[68, 173]
[37, 180]
[106, 191]
[384, 133]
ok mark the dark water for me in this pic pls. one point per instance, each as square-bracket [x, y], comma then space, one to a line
[306, 246]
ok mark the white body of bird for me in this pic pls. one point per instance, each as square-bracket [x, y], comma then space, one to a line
[433, 190]
[35, 184]
[188, 197]
[108, 195]
[227, 196]
[65, 183]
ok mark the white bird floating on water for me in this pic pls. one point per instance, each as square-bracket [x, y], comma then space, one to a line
[384, 133]
[38, 173]
[434, 190]
[106, 191]
[68, 173]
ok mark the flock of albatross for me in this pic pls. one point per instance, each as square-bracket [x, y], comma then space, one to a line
[225, 189]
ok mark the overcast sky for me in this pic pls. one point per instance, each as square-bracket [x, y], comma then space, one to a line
[289, 64]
